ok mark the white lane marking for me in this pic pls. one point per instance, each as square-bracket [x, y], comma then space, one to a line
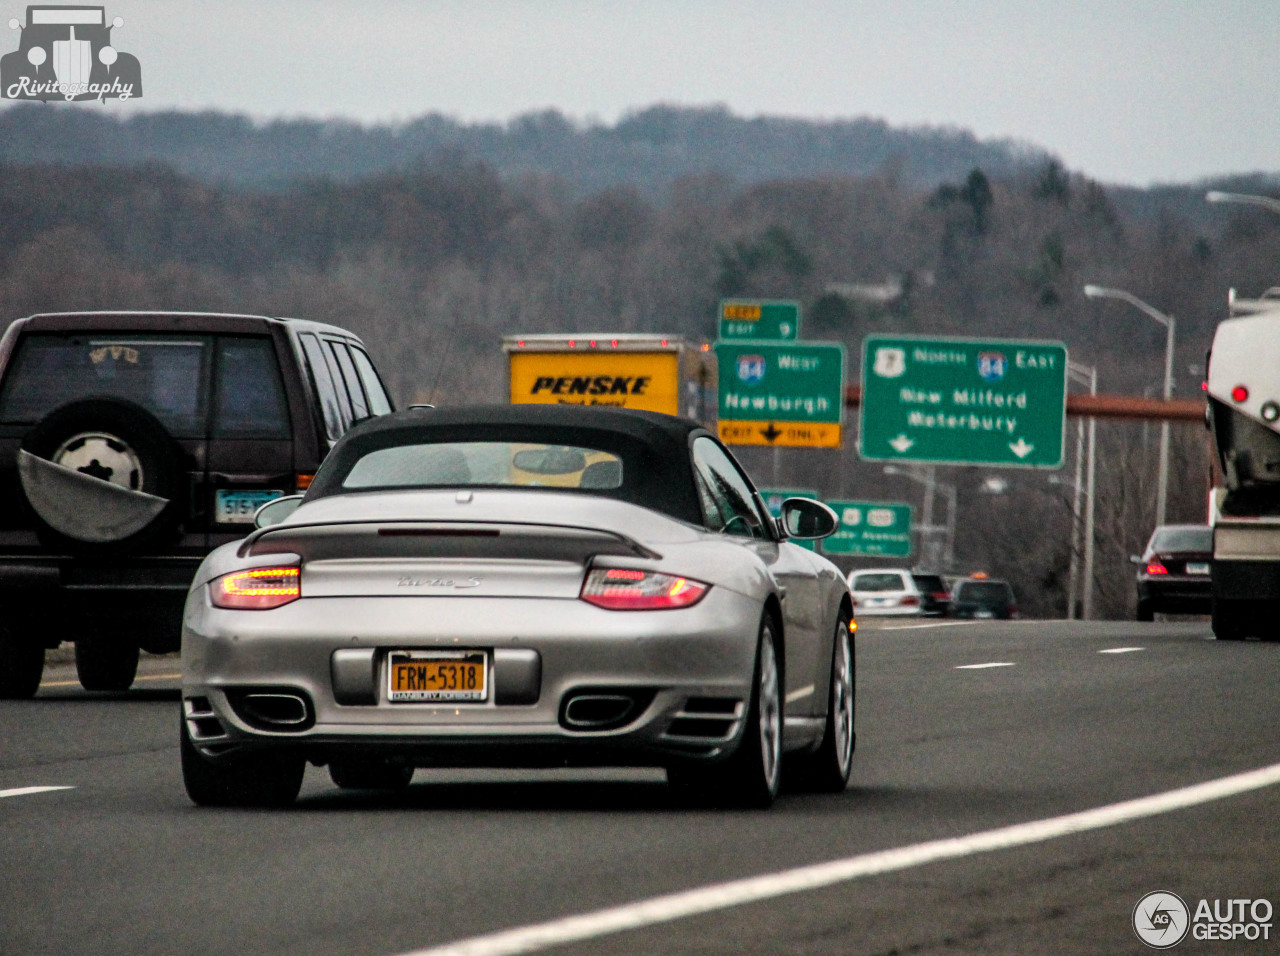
[140, 677]
[1121, 650]
[23, 791]
[978, 667]
[706, 899]
[916, 627]
[800, 694]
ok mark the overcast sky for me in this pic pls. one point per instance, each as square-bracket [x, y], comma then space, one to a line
[1125, 91]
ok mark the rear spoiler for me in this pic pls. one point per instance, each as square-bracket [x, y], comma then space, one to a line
[441, 539]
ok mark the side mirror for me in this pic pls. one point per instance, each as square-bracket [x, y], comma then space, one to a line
[807, 520]
[1135, 559]
[275, 511]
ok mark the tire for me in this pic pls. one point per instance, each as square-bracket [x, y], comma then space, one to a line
[21, 667]
[1145, 611]
[141, 455]
[370, 774]
[106, 663]
[1230, 620]
[248, 780]
[751, 776]
[826, 770]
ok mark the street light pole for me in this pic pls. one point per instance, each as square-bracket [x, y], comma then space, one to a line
[927, 527]
[1085, 374]
[1162, 482]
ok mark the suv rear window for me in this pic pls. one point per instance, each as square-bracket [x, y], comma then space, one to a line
[878, 582]
[985, 591]
[930, 583]
[251, 400]
[162, 373]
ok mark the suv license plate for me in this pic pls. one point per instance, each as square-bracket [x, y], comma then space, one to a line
[437, 676]
[1197, 567]
[239, 506]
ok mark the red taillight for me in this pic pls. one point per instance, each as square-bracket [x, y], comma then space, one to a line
[909, 601]
[624, 589]
[258, 589]
[1155, 567]
[1239, 394]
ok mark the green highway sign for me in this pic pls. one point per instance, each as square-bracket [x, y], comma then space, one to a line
[876, 528]
[759, 319]
[774, 393]
[774, 497]
[963, 401]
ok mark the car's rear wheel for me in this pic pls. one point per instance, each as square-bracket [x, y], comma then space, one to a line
[826, 770]
[1146, 611]
[106, 662]
[240, 780]
[370, 774]
[21, 666]
[751, 776]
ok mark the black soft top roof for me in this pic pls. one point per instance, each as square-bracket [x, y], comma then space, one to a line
[654, 448]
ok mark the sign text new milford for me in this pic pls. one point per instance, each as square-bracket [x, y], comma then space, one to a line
[963, 401]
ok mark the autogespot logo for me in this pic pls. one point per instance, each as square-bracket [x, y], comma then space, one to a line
[1161, 919]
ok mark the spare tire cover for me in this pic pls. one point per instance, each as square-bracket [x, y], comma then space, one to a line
[99, 471]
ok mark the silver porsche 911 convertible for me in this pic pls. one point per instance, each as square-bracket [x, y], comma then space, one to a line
[520, 586]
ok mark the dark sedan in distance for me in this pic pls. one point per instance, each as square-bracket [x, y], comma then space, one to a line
[1173, 571]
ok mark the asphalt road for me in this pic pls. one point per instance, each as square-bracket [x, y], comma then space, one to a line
[123, 863]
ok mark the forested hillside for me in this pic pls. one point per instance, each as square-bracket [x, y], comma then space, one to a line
[646, 150]
[433, 262]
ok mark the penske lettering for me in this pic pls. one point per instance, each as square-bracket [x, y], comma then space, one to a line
[592, 385]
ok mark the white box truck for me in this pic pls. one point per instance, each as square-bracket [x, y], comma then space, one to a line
[1244, 416]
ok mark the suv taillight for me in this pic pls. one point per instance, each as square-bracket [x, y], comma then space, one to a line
[1155, 567]
[258, 589]
[624, 589]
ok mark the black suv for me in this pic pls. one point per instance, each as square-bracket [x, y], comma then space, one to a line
[132, 444]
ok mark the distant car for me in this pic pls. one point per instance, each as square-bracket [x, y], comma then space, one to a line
[134, 443]
[935, 598]
[983, 597]
[885, 591]
[1173, 571]
[522, 585]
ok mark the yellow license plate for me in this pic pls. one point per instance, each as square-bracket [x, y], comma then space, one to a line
[437, 676]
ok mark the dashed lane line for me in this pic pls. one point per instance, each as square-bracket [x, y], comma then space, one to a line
[719, 896]
[979, 667]
[1121, 650]
[24, 791]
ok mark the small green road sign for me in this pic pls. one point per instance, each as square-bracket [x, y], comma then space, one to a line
[963, 401]
[876, 528]
[759, 319]
[774, 497]
[775, 393]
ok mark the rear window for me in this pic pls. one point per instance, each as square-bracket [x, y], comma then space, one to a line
[929, 582]
[458, 464]
[164, 374]
[1182, 539]
[878, 582]
[984, 591]
[251, 402]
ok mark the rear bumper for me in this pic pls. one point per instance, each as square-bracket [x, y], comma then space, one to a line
[62, 597]
[688, 673]
[1190, 594]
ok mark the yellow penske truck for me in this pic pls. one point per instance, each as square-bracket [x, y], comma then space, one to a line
[660, 373]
